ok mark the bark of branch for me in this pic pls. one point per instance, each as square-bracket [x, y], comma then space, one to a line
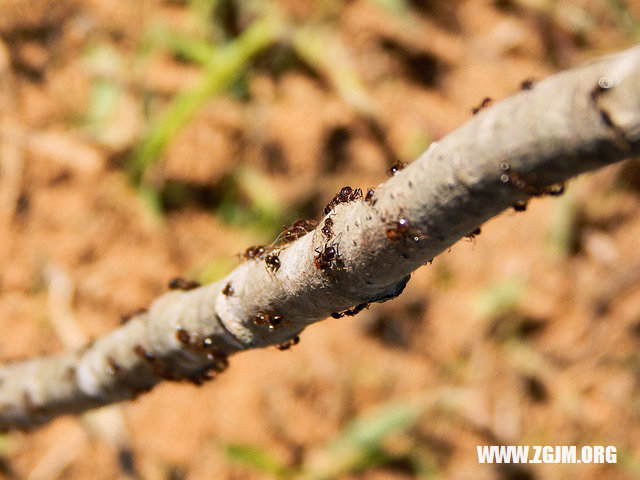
[572, 122]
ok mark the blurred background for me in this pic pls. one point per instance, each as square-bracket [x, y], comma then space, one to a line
[141, 140]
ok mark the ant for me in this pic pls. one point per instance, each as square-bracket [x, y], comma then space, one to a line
[327, 229]
[255, 252]
[520, 206]
[179, 283]
[287, 344]
[369, 196]
[403, 230]
[271, 321]
[527, 84]
[346, 194]
[484, 104]
[474, 234]
[351, 312]
[273, 262]
[522, 183]
[393, 169]
[327, 258]
[297, 230]
[228, 290]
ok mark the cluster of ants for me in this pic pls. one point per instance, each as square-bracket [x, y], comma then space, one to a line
[524, 184]
[328, 258]
[163, 368]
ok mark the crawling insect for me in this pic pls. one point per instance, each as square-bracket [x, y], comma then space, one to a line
[484, 104]
[346, 194]
[327, 258]
[299, 229]
[272, 322]
[527, 84]
[523, 183]
[287, 344]
[520, 206]
[369, 196]
[179, 283]
[228, 290]
[327, 229]
[402, 230]
[393, 169]
[255, 252]
[350, 312]
[474, 234]
[273, 262]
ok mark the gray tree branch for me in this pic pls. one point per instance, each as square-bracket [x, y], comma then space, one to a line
[524, 146]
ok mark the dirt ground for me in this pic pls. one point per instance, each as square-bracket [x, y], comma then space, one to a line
[528, 334]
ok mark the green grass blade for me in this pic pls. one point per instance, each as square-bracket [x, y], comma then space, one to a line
[227, 63]
[258, 459]
[360, 445]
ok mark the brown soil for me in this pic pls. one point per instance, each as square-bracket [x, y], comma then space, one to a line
[558, 366]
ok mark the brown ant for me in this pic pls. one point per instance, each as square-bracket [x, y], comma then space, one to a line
[393, 169]
[327, 229]
[271, 321]
[527, 84]
[180, 283]
[228, 290]
[522, 183]
[346, 194]
[369, 196]
[403, 230]
[484, 104]
[299, 229]
[273, 262]
[256, 252]
[194, 343]
[287, 344]
[520, 206]
[351, 312]
[327, 258]
[474, 234]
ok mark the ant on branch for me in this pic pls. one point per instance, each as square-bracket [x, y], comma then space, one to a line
[524, 183]
[402, 230]
[228, 290]
[328, 258]
[271, 321]
[346, 194]
[180, 283]
[484, 104]
[287, 344]
[273, 262]
[393, 169]
[299, 229]
[369, 196]
[474, 234]
[350, 312]
[327, 228]
[256, 252]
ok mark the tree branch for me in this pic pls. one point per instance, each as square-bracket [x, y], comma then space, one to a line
[527, 145]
